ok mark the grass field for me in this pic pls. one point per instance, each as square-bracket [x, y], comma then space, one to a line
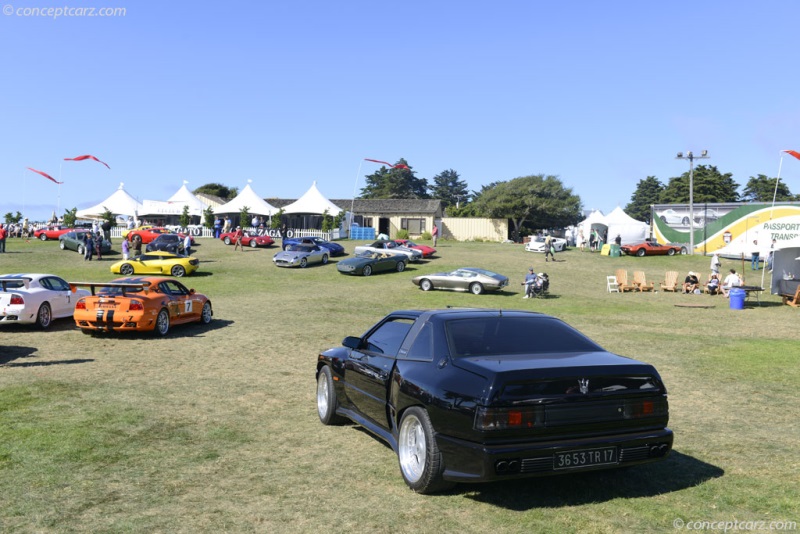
[215, 428]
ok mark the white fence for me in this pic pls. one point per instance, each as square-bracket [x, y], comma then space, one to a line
[201, 232]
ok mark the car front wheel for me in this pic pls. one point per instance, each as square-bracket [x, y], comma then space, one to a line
[44, 316]
[426, 285]
[671, 252]
[367, 270]
[253, 243]
[227, 240]
[421, 462]
[303, 263]
[401, 266]
[162, 322]
[326, 398]
[475, 288]
[324, 259]
[81, 250]
[640, 252]
[684, 251]
[62, 245]
[126, 269]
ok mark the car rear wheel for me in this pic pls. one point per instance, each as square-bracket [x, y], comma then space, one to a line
[421, 463]
[62, 245]
[324, 259]
[162, 322]
[475, 288]
[207, 314]
[227, 240]
[44, 317]
[126, 269]
[326, 398]
[640, 252]
[81, 250]
[684, 251]
[178, 270]
[253, 243]
[367, 270]
[671, 252]
[401, 266]
[425, 284]
[685, 221]
[43, 237]
[303, 262]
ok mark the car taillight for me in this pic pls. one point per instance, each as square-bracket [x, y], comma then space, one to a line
[80, 305]
[17, 299]
[644, 408]
[508, 418]
[136, 305]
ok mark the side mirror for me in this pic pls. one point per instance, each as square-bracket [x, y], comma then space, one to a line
[352, 342]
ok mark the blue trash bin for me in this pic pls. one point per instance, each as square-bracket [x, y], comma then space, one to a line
[737, 296]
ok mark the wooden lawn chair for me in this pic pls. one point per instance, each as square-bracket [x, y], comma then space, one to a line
[792, 300]
[670, 282]
[640, 281]
[622, 281]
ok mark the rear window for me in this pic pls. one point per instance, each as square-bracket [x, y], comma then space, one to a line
[117, 291]
[485, 336]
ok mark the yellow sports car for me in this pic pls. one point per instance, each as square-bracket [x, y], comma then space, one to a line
[157, 262]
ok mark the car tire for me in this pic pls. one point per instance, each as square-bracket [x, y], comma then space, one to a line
[663, 219]
[253, 243]
[401, 266]
[421, 462]
[81, 250]
[43, 237]
[671, 252]
[327, 403]
[684, 251]
[44, 316]
[207, 314]
[641, 252]
[62, 245]
[324, 259]
[303, 263]
[475, 288]
[162, 323]
[178, 271]
[126, 269]
[685, 221]
[367, 270]
[227, 240]
[425, 284]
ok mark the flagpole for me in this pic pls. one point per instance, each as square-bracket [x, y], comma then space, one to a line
[58, 202]
[353, 203]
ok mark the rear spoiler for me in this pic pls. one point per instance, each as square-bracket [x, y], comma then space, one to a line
[123, 286]
[5, 281]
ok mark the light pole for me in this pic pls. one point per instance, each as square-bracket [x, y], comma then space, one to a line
[691, 157]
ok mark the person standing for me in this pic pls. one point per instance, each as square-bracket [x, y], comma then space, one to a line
[548, 248]
[106, 226]
[98, 245]
[126, 247]
[618, 240]
[3, 235]
[137, 247]
[187, 245]
[237, 238]
[715, 264]
[217, 226]
[88, 246]
[755, 256]
[435, 234]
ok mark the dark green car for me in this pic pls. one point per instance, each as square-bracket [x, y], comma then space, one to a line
[367, 263]
[74, 241]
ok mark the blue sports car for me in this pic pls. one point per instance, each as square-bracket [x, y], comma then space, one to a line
[334, 249]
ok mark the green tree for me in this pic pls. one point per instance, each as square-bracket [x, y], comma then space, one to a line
[218, 190]
[709, 186]
[244, 216]
[277, 220]
[539, 201]
[327, 221]
[208, 217]
[10, 218]
[70, 216]
[185, 219]
[762, 188]
[449, 189]
[109, 216]
[397, 182]
[647, 193]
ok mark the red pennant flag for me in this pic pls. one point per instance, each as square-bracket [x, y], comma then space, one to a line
[792, 153]
[398, 166]
[87, 156]
[45, 175]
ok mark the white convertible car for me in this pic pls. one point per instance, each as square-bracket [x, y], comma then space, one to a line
[36, 299]
[536, 244]
[389, 247]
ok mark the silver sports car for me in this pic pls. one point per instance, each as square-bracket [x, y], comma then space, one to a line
[471, 279]
[301, 256]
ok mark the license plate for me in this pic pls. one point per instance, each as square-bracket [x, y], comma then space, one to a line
[585, 458]
[108, 306]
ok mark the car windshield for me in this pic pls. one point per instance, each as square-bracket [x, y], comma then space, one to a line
[114, 291]
[300, 248]
[490, 336]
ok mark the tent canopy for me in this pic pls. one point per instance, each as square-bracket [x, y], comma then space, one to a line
[595, 220]
[247, 198]
[174, 206]
[312, 202]
[629, 229]
[119, 203]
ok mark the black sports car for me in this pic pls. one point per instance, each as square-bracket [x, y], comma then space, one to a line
[473, 395]
[167, 242]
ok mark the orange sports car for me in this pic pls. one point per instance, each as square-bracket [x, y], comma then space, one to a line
[139, 304]
[147, 234]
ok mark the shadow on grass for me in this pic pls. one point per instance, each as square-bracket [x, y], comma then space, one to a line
[175, 331]
[677, 472]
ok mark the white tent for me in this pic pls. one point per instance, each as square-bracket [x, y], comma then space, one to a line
[119, 203]
[174, 206]
[786, 263]
[312, 202]
[247, 197]
[629, 229]
[595, 221]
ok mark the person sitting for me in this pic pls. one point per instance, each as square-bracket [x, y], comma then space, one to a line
[690, 283]
[713, 284]
[732, 280]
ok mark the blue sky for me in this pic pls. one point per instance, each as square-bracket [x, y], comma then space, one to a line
[601, 94]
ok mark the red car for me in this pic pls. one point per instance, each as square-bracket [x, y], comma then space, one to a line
[147, 235]
[52, 232]
[427, 251]
[248, 240]
[652, 248]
